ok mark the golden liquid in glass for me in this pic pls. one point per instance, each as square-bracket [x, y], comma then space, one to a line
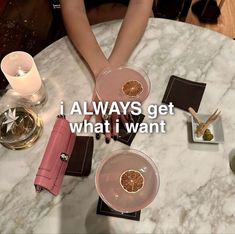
[25, 130]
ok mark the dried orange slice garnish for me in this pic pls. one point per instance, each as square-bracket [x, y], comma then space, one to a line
[132, 88]
[132, 181]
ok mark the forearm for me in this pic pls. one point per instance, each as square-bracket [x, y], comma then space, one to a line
[131, 31]
[80, 33]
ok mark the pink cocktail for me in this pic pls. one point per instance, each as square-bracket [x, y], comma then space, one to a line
[118, 167]
[124, 84]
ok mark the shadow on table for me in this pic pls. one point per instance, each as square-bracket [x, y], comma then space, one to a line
[96, 223]
[78, 210]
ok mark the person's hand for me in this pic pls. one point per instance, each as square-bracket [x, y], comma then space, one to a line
[112, 131]
[100, 119]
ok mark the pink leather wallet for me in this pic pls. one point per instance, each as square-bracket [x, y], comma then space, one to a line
[55, 160]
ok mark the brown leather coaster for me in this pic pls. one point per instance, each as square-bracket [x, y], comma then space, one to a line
[81, 157]
[103, 209]
[125, 137]
[184, 93]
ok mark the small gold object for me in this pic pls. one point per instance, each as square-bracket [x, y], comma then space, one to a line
[132, 181]
[132, 88]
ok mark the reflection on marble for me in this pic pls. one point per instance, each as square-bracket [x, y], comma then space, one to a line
[197, 191]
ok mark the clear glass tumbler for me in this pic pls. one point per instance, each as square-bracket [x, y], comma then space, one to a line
[20, 125]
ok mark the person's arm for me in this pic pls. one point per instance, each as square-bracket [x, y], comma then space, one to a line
[131, 31]
[79, 31]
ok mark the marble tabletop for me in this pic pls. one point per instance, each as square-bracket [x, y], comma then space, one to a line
[197, 191]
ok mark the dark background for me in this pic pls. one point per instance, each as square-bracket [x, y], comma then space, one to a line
[31, 25]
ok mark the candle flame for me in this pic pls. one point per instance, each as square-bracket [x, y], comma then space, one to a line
[20, 72]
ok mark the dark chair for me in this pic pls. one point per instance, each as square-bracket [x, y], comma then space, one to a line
[171, 9]
[57, 26]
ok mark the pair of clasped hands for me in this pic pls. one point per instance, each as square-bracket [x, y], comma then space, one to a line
[112, 119]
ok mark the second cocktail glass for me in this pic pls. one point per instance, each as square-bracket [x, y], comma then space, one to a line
[127, 180]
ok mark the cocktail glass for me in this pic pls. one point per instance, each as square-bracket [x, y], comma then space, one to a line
[125, 83]
[115, 193]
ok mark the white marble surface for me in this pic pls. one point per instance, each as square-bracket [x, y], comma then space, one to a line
[197, 191]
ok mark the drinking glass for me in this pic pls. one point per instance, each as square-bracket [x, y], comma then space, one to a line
[232, 164]
[20, 125]
[232, 160]
[127, 180]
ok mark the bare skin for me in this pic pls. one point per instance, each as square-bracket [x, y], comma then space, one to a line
[80, 33]
[106, 12]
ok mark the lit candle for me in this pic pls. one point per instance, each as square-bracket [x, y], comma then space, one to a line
[21, 72]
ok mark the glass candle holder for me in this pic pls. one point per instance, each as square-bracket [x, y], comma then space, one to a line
[20, 70]
[20, 125]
